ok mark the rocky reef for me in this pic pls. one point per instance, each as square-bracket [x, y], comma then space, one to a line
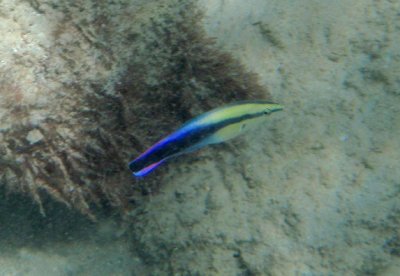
[87, 86]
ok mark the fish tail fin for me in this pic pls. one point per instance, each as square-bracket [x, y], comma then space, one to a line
[148, 169]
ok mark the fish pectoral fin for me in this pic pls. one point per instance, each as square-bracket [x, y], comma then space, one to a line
[148, 169]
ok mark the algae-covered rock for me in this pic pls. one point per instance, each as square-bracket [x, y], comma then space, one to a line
[86, 86]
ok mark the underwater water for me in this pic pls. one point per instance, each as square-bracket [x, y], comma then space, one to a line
[86, 87]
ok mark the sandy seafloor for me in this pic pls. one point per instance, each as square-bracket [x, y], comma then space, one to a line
[316, 190]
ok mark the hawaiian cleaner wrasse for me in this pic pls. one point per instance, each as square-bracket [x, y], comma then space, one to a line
[215, 126]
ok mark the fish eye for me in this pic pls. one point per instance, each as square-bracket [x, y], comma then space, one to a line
[267, 111]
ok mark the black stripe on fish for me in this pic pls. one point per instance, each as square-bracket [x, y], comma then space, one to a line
[185, 141]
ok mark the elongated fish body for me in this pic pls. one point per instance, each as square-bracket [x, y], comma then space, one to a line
[215, 126]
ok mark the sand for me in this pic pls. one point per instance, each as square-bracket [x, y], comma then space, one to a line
[314, 191]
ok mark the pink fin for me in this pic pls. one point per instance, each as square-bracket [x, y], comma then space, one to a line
[148, 169]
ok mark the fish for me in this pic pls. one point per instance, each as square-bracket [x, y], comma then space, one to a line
[215, 126]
